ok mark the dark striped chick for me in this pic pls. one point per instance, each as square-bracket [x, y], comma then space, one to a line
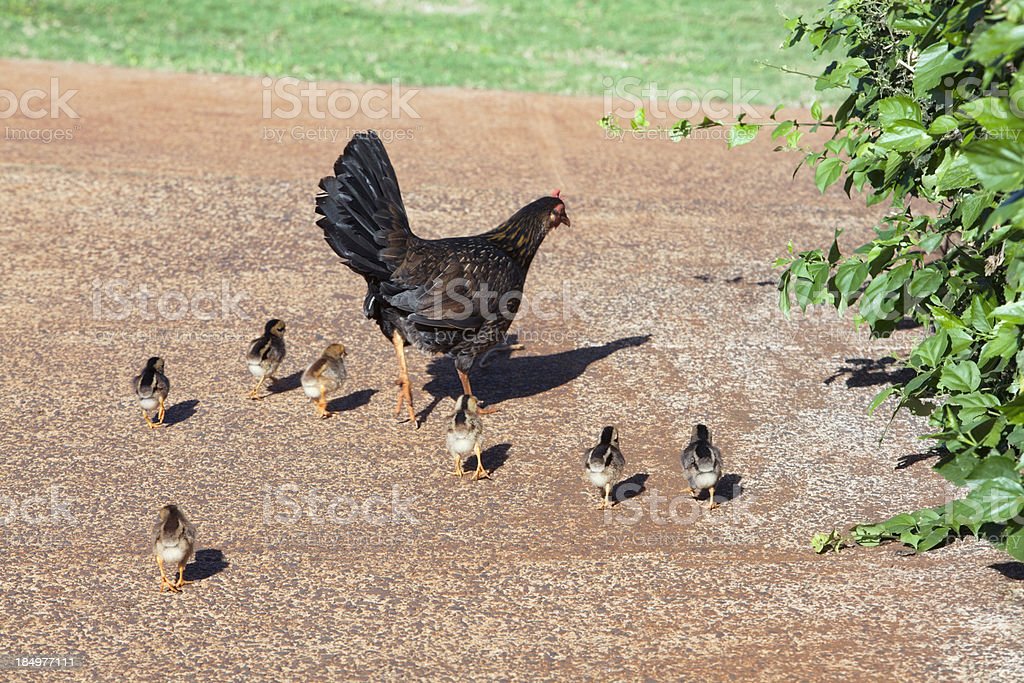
[151, 386]
[603, 464]
[465, 435]
[265, 355]
[174, 541]
[324, 377]
[702, 464]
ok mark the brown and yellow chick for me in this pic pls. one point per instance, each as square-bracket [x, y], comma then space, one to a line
[174, 542]
[465, 435]
[265, 354]
[151, 386]
[324, 377]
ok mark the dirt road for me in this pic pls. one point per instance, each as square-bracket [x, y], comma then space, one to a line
[178, 218]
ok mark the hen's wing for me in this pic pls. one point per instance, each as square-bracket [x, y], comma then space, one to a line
[458, 283]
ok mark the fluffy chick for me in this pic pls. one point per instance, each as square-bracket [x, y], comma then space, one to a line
[151, 386]
[324, 377]
[174, 541]
[265, 354]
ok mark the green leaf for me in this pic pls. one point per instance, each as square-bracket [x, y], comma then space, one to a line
[1003, 344]
[925, 282]
[943, 124]
[893, 109]
[1012, 312]
[956, 467]
[931, 350]
[998, 164]
[962, 377]
[816, 110]
[850, 275]
[1001, 499]
[994, 114]
[639, 120]
[954, 173]
[741, 134]
[992, 467]
[933, 63]
[827, 172]
[999, 42]
[905, 136]
[1014, 542]
[1014, 410]
[879, 399]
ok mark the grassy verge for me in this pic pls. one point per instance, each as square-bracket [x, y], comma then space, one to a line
[559, 46]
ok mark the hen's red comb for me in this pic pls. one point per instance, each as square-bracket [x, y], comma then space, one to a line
[557, 193]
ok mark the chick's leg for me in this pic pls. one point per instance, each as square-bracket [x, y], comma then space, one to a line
[405, 386]
[160, 415]
[481, 473]
[255, 390]
[711, 499]
[321, 403]
[181, 576]
[458, 466]
[165, 583]
[607, 493]
[468, 390]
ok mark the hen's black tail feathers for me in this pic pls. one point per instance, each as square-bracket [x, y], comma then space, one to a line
[363, 217]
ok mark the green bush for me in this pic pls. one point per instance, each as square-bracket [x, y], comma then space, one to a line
[931, 122]
[934, 113]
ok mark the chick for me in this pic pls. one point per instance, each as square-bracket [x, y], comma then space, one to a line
[151, 386]
[702, 464]
[174, 541]
[603, 464]
[265, 354]
[324, 377]
[465, 435]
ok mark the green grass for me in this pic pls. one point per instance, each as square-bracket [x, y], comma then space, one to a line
[559, 46]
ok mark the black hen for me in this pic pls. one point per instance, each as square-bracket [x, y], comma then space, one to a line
[456, 296]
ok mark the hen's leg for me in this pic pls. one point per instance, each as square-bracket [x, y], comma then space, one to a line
[468, 390]
[405, 386]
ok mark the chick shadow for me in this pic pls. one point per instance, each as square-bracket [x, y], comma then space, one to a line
[869, 372]
[730, 487]
[357, 399]
[630, 488]
[180, 411]
[283, 384]
[495, 456]
[520, 376]
[1011, 570]
[206, 563]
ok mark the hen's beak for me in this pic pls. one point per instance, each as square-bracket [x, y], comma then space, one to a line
[565, 219]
